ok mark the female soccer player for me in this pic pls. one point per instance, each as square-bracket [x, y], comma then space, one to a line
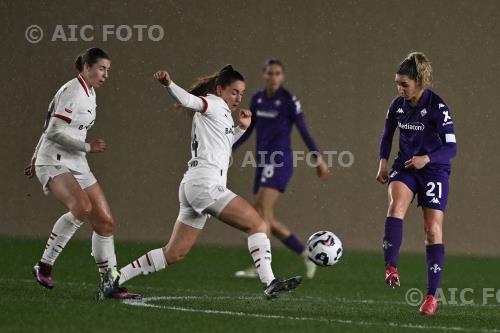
[60, 164]
[274, 111]
[203, 189]
[426, 146]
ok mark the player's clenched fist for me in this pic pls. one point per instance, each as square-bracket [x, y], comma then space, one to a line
[245, 118]
[163, 77]
[98, 146]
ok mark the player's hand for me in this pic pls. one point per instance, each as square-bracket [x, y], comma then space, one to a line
[29, 171]
[322, 170]
[245, 118]
[417, 162]
[382, 174]
[163, 77]
[98, 146]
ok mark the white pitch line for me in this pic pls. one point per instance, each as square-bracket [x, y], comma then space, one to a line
[145, 302]
[303, 298]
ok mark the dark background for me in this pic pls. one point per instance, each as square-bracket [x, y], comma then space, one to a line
[340, 60]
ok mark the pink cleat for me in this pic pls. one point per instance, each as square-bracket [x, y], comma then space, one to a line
[42, 274]
[391, 276]
[430, 306]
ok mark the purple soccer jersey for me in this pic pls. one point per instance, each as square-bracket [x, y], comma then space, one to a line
[273, 118]
[426, 129]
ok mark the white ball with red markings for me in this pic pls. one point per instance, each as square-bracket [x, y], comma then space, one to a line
[324, 248]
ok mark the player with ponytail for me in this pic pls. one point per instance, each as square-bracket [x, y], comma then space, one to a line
[422, 167]
[60, 163]
[203, 190]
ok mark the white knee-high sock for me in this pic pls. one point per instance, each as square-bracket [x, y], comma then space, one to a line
[151, 262]
[103, 251]
[64, 228]
[260, 250]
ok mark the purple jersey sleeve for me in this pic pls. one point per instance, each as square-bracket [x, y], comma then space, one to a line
[444, 127]
[388, 133]
[298, 117]
[249, 130]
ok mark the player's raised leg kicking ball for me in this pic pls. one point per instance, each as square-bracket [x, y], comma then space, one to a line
[203, 189]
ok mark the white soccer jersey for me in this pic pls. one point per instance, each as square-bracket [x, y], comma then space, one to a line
[75, 103]
[211, 140]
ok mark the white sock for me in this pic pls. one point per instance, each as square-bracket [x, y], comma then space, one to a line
[151, 262]
[64, 228]
[103, 251]
[260, 250]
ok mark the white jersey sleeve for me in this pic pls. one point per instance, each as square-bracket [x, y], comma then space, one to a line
[186, 99]
[57, 133]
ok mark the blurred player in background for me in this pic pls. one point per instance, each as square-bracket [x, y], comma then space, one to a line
[274, 112]
[203, 189]
[426, 145]
[60, 164]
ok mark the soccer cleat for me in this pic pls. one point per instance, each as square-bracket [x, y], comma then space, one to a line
[250, 272]
[310, 268]
[276, 287]
[110, 288]
[42, 274]
[430, 306]
[392, 276]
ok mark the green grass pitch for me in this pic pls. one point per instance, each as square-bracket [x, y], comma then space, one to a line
[200, 294]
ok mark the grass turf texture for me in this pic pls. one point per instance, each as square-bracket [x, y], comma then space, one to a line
[201, 294]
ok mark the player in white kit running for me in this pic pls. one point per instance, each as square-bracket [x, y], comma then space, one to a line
[60, 164]
[203, 189]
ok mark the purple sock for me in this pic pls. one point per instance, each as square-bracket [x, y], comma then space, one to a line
[435, 265]
[392, 240]
[294, 244]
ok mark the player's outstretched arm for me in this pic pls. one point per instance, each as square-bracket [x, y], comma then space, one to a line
[180, 95]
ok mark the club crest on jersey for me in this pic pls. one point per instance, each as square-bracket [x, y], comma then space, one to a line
[423, 112]
[229, 130]
[259, 100]
[277, 102]
[400, 111]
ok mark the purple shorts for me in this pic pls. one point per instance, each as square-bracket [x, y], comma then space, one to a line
[430, 186]
[274, 176]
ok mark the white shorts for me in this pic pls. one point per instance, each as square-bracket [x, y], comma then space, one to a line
[47, 172]
[199, 198]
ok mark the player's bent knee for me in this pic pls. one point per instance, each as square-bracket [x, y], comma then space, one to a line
[107, 223]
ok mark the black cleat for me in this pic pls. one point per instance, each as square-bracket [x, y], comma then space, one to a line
[110, 288]
[276, 287]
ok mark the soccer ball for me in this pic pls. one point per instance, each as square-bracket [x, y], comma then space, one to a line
[325, 248]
